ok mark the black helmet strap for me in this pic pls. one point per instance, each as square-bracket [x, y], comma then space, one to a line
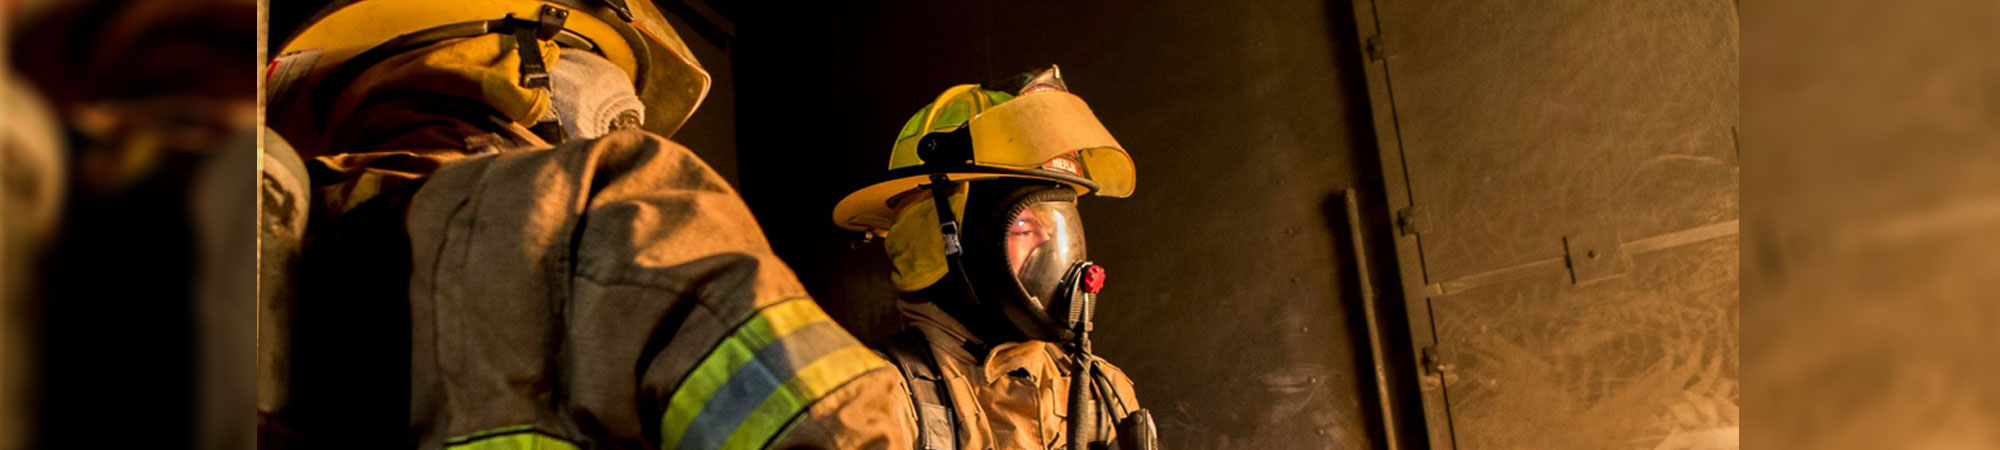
[941, 153]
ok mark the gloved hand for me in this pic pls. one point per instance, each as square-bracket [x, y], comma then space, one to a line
[590, 97]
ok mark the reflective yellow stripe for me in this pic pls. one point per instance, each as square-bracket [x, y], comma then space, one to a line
[714, 370]
[811, 383]
[519, 437]
[721, 404]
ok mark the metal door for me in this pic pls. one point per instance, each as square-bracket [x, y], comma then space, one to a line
[1563, 179]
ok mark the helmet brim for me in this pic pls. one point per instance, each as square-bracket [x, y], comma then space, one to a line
[873, 208]
[1015, 138]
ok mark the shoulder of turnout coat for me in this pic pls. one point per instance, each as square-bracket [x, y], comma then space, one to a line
[599, 290]
[612, 293]
[464, 286]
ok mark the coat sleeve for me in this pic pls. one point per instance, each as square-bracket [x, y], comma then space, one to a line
[870, 413]
[617, 291]
[609, 293]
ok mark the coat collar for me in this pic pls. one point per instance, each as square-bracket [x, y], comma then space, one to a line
[951, 337]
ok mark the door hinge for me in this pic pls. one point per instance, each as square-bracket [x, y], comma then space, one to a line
[1439, 370]
[1376, 50]
[1408, 222]
[1435, 363]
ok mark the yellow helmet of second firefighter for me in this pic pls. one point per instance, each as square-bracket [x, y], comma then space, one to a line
[1038, 133]
[341, 40]
[1033, 128]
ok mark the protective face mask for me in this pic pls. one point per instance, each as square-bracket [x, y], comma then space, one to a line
[1043, 241]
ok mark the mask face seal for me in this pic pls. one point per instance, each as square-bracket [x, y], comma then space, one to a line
[1042, 242]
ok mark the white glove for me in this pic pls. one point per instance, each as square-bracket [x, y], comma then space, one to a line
[590, 97]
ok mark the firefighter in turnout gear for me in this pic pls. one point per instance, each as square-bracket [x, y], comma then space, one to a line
[998, 291]
[504, 250]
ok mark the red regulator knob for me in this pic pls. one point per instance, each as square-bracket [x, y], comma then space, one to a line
[1093, 279]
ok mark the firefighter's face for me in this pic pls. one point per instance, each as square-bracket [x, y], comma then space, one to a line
[1022, 238]
[1042, 242]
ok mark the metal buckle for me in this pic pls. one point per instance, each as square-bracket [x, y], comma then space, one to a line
[534, 73]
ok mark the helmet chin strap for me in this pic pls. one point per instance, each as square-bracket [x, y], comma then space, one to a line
[942, 190]
[965, 304]
[942, 152]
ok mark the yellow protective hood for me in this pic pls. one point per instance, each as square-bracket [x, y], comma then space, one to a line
[916, 253]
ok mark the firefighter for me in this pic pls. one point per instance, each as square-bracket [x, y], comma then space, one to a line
[504, 250]
[998, 290]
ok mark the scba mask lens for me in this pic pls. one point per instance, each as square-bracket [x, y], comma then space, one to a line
[1043, 241]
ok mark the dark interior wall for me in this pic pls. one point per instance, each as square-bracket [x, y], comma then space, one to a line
[711, 131]
[1230, 293]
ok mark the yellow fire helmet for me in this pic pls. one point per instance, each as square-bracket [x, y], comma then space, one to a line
[1035, 130]
[343, 40]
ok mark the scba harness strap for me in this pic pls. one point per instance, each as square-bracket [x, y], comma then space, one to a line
[937, 422]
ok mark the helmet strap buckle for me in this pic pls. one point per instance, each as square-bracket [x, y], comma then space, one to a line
[942, 189]
[528, 41]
